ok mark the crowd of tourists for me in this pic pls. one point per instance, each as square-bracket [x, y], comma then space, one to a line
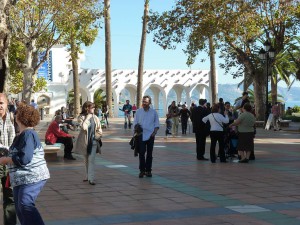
[24, 171]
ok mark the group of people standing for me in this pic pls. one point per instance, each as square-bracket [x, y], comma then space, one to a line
[176, 113]
[214, 122]
[28, 168]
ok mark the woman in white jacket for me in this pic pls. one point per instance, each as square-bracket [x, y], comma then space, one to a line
[216, 120]
[88, 137]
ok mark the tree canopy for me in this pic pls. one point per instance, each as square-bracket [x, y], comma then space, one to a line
[239, 29]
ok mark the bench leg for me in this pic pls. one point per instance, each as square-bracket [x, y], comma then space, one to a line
[50, 157]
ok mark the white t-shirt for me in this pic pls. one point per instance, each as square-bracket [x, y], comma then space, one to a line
[216, 120]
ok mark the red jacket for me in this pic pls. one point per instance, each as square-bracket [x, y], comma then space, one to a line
[54, 132]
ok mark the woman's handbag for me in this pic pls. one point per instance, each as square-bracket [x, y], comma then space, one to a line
[98, 136]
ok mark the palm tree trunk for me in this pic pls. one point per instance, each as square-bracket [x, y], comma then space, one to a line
[142, 56]
[108, 56]
[213, 76]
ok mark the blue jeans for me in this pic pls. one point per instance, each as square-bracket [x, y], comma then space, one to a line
[25, 196]
[146, 146]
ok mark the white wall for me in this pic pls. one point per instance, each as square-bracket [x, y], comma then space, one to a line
[60, 64]
[57, 93]
[57, 88]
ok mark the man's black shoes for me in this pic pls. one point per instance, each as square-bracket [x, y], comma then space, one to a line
[147, 174]
[141, 175]
[70, 157]
[202, 158]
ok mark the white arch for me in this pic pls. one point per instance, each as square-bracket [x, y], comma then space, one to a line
[157, 80]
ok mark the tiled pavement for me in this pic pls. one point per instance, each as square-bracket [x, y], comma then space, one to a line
[182, 189]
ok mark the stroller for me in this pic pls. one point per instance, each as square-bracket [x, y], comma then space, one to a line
[231, 141]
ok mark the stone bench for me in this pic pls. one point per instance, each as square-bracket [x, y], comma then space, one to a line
[283, 123]
[259, 123]
[52, 150]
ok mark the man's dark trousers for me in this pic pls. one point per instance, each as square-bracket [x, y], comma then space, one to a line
[68, 143]
[200, 143]
[146, 146]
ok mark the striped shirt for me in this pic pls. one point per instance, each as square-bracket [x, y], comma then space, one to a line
[7, 135]
[7, 131]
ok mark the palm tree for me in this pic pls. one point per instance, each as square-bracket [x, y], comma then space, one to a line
[142, 55]
[99, 98]
[213, 70]
[71, 101]
[108, 55]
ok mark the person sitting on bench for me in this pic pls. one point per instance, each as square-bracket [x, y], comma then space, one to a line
[67, 119]
[55, 135]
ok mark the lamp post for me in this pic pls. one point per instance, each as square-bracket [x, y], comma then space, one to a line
[267, 55]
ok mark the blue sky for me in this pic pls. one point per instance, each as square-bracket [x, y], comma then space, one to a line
[126, 28]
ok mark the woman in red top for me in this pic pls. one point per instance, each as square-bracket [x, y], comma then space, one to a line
[56, 135]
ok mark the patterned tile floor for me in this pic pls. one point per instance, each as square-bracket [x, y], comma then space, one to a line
[182, 190]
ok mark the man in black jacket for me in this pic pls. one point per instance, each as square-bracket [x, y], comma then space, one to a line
[200, 129]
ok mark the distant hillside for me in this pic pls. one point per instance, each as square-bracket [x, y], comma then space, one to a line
[229, 92]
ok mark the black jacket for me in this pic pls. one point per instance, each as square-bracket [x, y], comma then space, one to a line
[197, 115]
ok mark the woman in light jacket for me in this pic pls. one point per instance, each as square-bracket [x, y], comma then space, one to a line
[88, 137]
[216, 120]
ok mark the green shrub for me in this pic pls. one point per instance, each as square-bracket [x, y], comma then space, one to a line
[292, 118]
[296, 109]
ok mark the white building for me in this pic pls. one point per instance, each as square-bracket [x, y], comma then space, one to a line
[56, 71]
[159, 82]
